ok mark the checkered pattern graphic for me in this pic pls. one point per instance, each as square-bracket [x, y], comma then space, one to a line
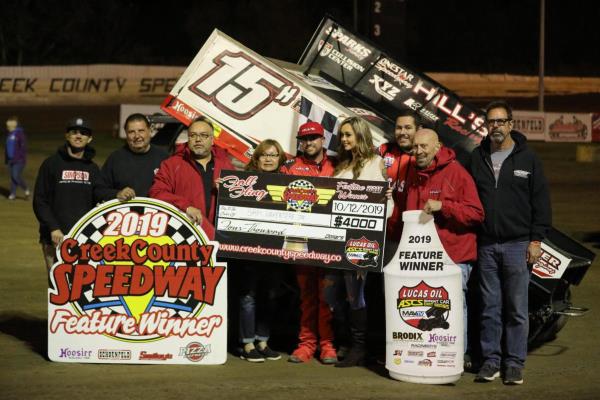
[311, 112]
[93, 232]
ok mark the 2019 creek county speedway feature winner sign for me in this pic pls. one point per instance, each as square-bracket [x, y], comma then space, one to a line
[137, 282]
[325, 222]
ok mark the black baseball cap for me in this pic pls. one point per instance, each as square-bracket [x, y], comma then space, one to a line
[79, 123]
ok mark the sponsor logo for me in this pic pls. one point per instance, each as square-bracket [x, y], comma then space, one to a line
[409, 361]
[300, 195]
[144, 355]
[551, 264]
[194, 351]
[396, 72]
[397, 361]
[425, 363]
[413, 353]
[442, 339]
[362, 252]
[447, 363]
[339, 58]
[519, 173]
[422, 346]
[118, 355]
[74, 175]
[353, 47]
[75, 354]
[408, 336]
[120, 257]
[388, 161]
[448, 354]
[424, 307]
[397, 352]
[384, 88]
[431, 354]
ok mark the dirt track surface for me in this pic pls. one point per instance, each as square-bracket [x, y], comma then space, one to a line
[566, 368]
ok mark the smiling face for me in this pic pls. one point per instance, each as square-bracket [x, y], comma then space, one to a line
[268, 161]
[311, 146]
[78, 138]
[348, 138]
[405, 132]
[200, 139]
[426, 146]
[138, 136]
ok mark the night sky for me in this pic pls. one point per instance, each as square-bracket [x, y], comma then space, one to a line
[454, 36]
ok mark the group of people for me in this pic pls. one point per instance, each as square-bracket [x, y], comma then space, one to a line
[490, 216]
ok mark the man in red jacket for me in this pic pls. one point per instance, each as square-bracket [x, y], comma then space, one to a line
[442, 187]
[399, 163]
[315, 315]
[188, 178]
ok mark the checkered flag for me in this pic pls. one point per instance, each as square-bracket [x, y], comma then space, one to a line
[311, 112]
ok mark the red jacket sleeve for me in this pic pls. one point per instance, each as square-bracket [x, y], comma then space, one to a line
[163, 186]
[466, 210]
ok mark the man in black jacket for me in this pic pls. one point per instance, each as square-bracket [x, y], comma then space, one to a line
[129, 171]
[64, 188]
[516, 201]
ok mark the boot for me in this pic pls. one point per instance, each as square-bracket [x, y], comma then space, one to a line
[358, 332]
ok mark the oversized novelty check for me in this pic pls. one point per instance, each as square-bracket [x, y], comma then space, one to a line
[325, 222]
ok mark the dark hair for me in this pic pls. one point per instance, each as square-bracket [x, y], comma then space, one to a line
[203, 119]
[407, 112]
[499, 104]
[136, 117]
[364, 147]
[260, 150]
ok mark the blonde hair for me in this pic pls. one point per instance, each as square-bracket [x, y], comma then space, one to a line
[363, 152]
[260, 150]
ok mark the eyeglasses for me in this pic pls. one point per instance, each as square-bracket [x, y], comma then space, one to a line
[198, 136]
[499, 121]
[265, 156]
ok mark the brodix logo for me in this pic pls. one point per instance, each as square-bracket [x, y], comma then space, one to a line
[135, 271]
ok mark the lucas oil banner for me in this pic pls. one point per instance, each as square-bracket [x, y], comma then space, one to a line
[325, 222]
[136, 282]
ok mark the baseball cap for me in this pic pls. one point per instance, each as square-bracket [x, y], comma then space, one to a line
[79, 123]
[310, 128]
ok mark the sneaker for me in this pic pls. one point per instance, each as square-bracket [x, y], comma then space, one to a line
[301, 355]
[27, 194]
[513, 376]
[328, 356]
[487, 373]
[252, 356]
[269, 354]
[12, 196]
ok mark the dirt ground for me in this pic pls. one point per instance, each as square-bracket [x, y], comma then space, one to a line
[565, 368]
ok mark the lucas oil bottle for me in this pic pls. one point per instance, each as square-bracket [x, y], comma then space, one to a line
[424, 307]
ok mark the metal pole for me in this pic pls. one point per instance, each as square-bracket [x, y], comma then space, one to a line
[541, 60]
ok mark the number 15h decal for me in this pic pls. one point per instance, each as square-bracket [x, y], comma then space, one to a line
[241, 87]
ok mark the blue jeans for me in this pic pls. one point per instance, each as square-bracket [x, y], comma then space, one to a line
[504, 284]
[16, 179]
[465, 269]
[258, 290]
[354, 289]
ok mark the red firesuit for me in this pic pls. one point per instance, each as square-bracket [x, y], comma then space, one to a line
[178, 181]
[447, 181]
[400, 168]
[315, 315]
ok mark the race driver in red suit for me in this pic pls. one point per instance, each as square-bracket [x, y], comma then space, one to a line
[315, 315]
[188, 178]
